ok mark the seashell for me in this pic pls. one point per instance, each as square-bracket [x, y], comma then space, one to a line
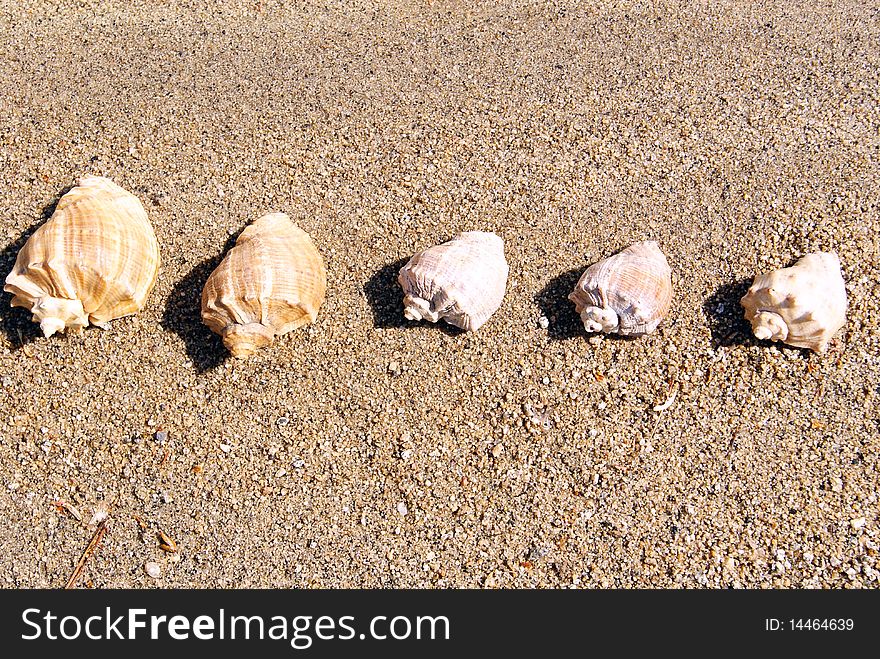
[628, 293]
[461, 281]
[803, 305]
[94, 260]
[272, 281]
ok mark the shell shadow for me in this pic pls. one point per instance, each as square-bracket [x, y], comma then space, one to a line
[558, 309]
[724, 315]
[15, 323]
[384, 296]
[183, 315]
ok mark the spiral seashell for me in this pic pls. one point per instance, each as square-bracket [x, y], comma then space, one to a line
[272, 281]
[94, 260]
[628, 293]
[461, 281]
[803, 305]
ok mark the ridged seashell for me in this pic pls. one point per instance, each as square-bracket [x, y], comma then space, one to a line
[94, 260]
[271, 282]
[461, 281]
[803, 305]
[628, 293]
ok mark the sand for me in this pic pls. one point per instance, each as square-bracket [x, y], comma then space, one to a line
[368, 451]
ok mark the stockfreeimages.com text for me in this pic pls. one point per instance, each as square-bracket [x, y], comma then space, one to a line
[300, 631]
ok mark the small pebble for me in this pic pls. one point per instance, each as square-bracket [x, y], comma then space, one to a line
[282, 421]
[226, 448]
[858, 522]
[543, 322]
[537, 553]
[402, 509]
[161, 435]
[153, 569]
[298, 463]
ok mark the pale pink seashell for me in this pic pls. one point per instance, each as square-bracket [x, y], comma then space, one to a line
[461, 281]
[628, 293]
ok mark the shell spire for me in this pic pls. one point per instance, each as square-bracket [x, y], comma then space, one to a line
[461, 281]
[96, 259]
[271, 282]
[629, 293]
[803, 305]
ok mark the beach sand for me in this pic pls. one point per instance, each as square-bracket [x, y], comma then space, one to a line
[369, 451]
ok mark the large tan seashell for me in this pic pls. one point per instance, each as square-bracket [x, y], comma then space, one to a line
[272, 281]
[803, 305]
[94, 260]
[461, 281]
[628, 293]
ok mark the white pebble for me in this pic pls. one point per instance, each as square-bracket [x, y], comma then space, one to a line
[543, 322]
[153, 569]
[858, 522]
[226, 448]
[402, 509]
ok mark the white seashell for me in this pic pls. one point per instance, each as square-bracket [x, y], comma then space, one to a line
[803, 305]
[271, 282]
[628, 293]
[94, 260]
[461, 281]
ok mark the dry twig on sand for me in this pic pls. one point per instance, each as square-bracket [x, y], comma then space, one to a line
[90, 548]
